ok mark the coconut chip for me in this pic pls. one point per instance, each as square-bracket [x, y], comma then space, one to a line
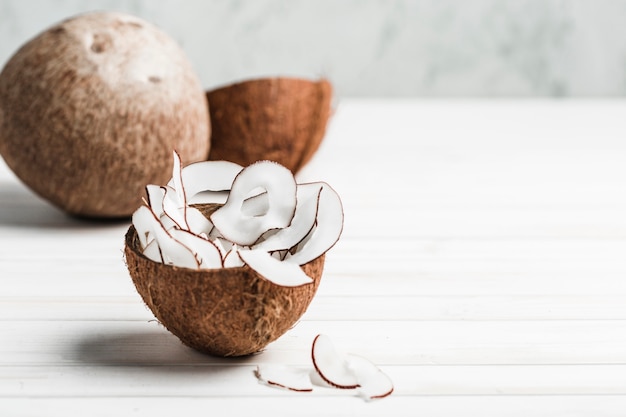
[302, 223]
[330, 365]
[331, 369]
[282, 273]
[266, 220]
[245, 228]
[292, 379]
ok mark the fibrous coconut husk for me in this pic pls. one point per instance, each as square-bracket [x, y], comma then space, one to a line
[223, 312]
[91, 109]
[280, 119]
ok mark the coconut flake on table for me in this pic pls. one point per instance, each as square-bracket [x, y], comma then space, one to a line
[331, 369]
[286, 377]
[265, 219]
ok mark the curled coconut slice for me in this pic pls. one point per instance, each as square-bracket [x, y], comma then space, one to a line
[205, 251]
[156, 194]
[286, 274]
[289, 378]
[174, 208]
[172, 251]
[206, 179]
[177, 179]
[244, 229]
[330, 365]
[328, 229]
[373, 383]
[307, 198]
[349, 371]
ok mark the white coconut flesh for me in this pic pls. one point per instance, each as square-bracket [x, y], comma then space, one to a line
[256, 205]
[373, 383]
[267, 220]
[286, 274]
[243, 228]
[198, 222]
[174, 208]
[307, 198]
[153, 252]
[206, 252]
[331, 369]
[330, 365]
[156, 194]
[232, 259]
[177, 180]
[173, 252]
[285, 377]
[326, 231]
[207, 183]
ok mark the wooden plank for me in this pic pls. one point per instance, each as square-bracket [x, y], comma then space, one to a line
[461, 283]
[346, 307]
[440, 255]
[399, 222]
[311, 405]
[228, 380]
[385, 342]
[352, 282]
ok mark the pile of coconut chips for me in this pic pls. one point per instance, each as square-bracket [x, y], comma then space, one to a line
[264, 219]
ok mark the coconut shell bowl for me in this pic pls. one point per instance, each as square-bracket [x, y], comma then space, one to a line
[230, 263]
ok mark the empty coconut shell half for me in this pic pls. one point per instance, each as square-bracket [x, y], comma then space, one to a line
[222, 311]
[280, 119]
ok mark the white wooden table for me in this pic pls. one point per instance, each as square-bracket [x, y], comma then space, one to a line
[482, 266]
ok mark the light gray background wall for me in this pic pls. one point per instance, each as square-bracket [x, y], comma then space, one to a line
[380, 47]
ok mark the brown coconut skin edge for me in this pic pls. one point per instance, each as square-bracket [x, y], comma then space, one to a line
[280, 119]
[222, 312]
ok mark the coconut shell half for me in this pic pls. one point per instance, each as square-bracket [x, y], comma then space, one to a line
[279, 119]
[222, 312]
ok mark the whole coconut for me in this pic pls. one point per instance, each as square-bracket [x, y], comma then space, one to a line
[91, 109]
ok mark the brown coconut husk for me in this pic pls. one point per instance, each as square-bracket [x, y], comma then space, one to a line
[82, 131]
[280, 119]
[222, 312]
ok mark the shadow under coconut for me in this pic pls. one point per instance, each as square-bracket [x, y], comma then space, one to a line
[149, 348]
[21, 208]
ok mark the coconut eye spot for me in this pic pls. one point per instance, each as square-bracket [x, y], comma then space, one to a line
[59, 30]
[101, 42]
